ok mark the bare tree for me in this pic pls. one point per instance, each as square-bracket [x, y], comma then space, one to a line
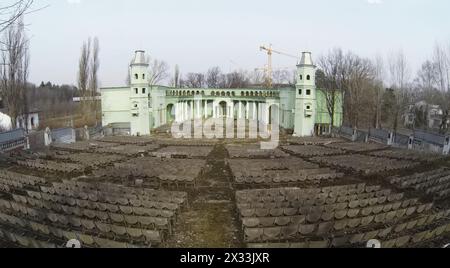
[329, 78]
[83, 77]
[14, 71]
[158, 71]
[378, 87]
[93, 79]
[441, 62]
[237, 79]
[281, 77]
[256, 77]
[213, 77]
[11, 13]
[94, 67]
[400, 75]
[428, 77]
[195, 80]
[360, 78]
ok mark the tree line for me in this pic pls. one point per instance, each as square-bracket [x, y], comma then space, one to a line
[379, 92]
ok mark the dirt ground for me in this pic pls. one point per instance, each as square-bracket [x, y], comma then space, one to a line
[211, 220]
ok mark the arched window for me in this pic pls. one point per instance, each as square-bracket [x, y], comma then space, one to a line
[136, 76]
[136, 91]
[301, 77]
[233, 94]
[212, 93]
[308, 77]
[299, 92]
[143, 91]
[308, 92]
[223, 94]
[143, 76]
[228, 94]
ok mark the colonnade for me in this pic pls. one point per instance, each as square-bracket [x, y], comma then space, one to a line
[203, 109]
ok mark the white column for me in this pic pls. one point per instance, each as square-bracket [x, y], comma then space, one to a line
[198, 110]
[254, 111]
[247, 110]
[240, 110]
[266, 113]
[181, 111]
[205, 110]
[192, 109]
[214, 109]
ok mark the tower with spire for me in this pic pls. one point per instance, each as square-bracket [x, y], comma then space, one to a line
[139, 95]
[305, 97]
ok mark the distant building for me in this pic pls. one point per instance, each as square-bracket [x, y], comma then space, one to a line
[28, 122]
[433, 115]
[143, 107]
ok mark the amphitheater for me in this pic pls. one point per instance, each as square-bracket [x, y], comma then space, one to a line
[159, 192]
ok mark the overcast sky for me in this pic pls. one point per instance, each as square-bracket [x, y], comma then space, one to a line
[197, 34]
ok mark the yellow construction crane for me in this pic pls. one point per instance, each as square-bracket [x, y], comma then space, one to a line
[269, 68]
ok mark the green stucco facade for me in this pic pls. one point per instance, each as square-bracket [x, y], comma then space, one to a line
[144, 107]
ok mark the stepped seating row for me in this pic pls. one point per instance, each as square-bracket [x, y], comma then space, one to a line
[272, 176]
[311, 150]
[186, 142]
[327, 228]
[52, 166]
[362, 238]
[364, 206]
[312, 140]
[183, 152]
[128, 150]
[364, 164]
[21, 178]
[350, 201]
[154, 209]
[164, 170]
[118, 189]
[90, 159]
[298, 194]
[116, 193]
[124, 200]
[128, 140]
[40, 235]
[433, 183]
[6, 184]
[11, 235]
[407, 155]
[357, 146]
[253, 151]
[315, 216]
[81, 146]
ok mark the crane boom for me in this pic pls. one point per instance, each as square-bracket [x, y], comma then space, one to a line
[270, 51]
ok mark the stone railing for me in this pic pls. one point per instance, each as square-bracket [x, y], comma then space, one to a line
[13, 140]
